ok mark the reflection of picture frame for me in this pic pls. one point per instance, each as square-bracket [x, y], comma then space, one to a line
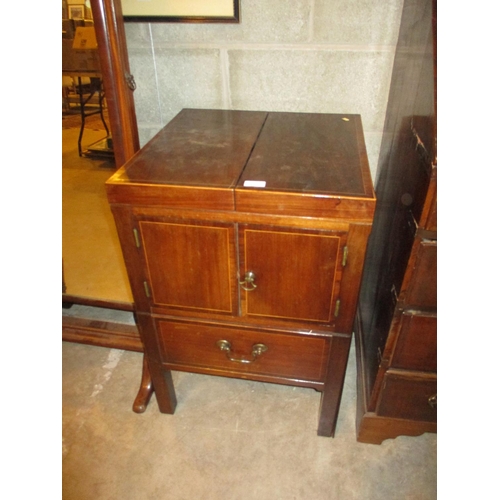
[182, 11]
[76, 11]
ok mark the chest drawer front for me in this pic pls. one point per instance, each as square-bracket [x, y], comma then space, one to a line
[416, 346]
[422, 286]
[294, 356]
[409, 397]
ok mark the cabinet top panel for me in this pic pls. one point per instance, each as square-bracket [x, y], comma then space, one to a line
[199, 147]
[310, 152]
[305, 164]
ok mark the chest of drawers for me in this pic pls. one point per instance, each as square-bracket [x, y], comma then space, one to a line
[244, 235]
[396, 328]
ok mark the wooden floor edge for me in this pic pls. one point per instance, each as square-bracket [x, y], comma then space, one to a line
[101, 333]
[119, 305]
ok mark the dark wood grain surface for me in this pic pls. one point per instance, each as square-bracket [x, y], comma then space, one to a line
[308, 153]
[199, 147]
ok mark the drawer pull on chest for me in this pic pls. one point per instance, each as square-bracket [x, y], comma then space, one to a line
[433, 401]
[248, 283]
[257, 350]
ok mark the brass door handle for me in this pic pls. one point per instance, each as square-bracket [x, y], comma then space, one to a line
[257, 350]
[248, 283]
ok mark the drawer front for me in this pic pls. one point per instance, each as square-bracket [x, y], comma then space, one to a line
[422, 287]
[409, 397]
[416, 346]
[201, 346]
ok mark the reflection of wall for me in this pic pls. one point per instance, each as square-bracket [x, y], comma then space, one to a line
[325, 56]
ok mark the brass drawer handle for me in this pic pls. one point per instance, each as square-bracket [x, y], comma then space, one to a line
[248, 283]
[433, 401]
[257, 350]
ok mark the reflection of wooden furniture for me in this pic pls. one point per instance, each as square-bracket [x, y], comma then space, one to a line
[396, 326]
[244, 235]
[80, 61]
[88, 96]
[114, 63]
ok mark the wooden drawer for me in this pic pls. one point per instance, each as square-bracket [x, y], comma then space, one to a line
[421, 288]
[193, 347]
[416, 345]
[409, 396]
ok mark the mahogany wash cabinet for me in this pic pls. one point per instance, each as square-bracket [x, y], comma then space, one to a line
[244, 236]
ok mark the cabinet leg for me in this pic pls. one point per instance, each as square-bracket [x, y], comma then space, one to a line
[167, 403]
[146, 389]
[166, 397]
[332, 393]
[155, 377]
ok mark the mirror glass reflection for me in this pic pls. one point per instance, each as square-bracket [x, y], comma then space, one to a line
[93, 266]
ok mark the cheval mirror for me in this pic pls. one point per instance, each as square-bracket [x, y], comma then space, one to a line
[99, 135]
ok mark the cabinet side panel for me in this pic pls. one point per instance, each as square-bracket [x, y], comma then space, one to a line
[131, 254]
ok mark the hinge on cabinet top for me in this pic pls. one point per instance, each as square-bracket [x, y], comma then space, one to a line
[146, 289]
[337, 308]
[136, 237]
[344, 256]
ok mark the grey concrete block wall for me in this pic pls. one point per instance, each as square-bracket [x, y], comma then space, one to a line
[322, 56]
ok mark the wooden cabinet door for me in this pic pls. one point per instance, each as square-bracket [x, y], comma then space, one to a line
[290, 274]
[191, 266]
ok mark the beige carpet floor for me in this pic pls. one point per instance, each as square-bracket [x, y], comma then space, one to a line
[92, 261]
